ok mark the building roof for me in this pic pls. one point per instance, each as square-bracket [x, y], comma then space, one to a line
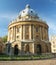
[28, 14]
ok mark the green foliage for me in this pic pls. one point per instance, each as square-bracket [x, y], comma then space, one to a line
[1, 40]
[4, 39]
[30, 57]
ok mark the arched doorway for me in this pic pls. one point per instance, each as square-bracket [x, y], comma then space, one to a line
[38, 49]
[27, 48]
[16, 50]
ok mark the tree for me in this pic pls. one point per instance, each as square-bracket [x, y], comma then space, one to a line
[1, 40]
[4, 39]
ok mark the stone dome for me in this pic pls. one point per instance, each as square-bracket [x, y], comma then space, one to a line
[28, 14]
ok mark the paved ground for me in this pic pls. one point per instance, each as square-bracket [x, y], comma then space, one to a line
[34, 62]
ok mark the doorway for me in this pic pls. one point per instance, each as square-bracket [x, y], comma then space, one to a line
[38, 49]
[16, 50]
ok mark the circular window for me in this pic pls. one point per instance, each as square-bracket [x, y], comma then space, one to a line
[23, 11]
[31, 11]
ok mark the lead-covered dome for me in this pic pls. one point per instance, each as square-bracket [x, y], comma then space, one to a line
[28, 14]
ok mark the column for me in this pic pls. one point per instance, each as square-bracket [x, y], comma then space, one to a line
[14, 29]
[8, 35]
[23, 32]
[40, 33]
[34, 33]
[12, 34]
[46, 34]
[43, 33]
[20, 34]
[30, 32]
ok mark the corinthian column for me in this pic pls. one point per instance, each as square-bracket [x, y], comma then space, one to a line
[47, 34]
[40, 33]
[8, 35]
[33, 33]
[30, 32]
[23, 32]
[14, 32]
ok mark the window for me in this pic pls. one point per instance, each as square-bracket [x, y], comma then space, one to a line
[53, 42]
[54, 46]
[27, 37]
[36, 29]
[17, 36]
[31, 11]
[18, 29]
[54, 50]
[37, 37]
[23, 11]
[20, 17]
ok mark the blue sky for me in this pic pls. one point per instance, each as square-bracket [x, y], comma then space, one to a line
[9, 10]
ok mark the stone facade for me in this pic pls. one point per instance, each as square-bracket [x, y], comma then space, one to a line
[28, 34]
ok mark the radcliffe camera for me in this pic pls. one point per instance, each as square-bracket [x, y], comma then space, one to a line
[27, 32]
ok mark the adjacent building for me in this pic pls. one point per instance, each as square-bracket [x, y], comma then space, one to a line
[28, 34]
[53, 43]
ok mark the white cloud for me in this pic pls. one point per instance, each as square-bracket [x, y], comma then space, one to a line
[8, 16]
[3, 32]
[51, 21]
[5, 19]
[53, 1]
[52, 29]
[52, 26]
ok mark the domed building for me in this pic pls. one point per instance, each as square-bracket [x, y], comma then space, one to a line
[28, 34]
